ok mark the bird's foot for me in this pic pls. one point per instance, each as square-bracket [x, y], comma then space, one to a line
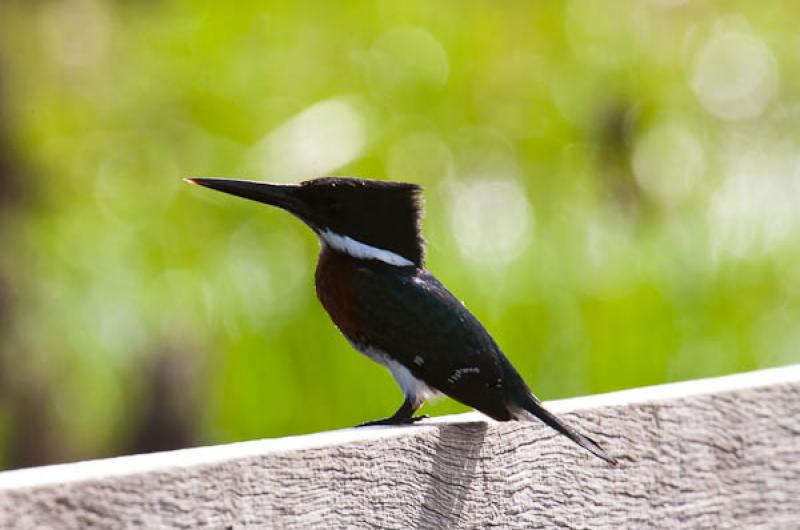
[394, 421]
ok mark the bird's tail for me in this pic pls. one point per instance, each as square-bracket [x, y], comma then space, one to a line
[533, 406]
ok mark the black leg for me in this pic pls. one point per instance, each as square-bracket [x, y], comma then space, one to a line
[403, 416]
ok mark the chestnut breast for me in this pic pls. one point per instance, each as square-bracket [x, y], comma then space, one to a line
[334, 282]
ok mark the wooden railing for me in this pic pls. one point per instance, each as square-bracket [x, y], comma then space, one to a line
[713, 453]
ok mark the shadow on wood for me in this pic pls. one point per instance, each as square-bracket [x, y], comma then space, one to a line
[455, 461]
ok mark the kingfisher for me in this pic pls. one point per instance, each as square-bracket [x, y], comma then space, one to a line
[372, 281]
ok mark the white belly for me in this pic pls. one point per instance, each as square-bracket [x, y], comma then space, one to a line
[411, 386]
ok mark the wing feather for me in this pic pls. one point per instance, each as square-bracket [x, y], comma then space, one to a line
[411, 316]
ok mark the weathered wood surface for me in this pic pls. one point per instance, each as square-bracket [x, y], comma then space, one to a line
[716, 453]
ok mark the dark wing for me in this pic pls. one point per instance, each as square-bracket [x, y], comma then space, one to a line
[411, 316]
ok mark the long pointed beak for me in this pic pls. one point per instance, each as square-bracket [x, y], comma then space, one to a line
[281, 195]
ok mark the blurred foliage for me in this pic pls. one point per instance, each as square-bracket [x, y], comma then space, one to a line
[611, 187]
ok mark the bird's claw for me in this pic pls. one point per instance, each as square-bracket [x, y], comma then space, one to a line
[394, 421]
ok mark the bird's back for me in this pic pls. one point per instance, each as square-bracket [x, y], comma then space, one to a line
[407, 313]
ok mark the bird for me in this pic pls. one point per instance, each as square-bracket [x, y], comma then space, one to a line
[372, 281]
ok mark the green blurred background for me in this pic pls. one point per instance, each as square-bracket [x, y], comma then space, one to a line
[612, 187]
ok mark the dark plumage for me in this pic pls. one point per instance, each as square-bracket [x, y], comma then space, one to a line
[345, 203]
[371, 280]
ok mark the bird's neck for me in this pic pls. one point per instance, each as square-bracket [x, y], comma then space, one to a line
[359, 250]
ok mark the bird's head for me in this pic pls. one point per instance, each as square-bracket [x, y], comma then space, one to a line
[379, 215]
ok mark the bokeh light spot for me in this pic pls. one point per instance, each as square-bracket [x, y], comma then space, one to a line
[406, 57]
[77, 33]
[734, 76]
[606, 38]
[420, 157]
[325, 136]
[667, 161]
[755, 210]
[492, 221]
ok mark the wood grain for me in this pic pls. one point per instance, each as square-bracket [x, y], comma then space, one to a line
[721, 453]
